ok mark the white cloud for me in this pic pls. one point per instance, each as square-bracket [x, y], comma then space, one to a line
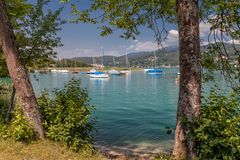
[234, 41]
[172, 39]
[206, 39]
[139, 46]
[173, 33]
[204, 29]
[78, 52]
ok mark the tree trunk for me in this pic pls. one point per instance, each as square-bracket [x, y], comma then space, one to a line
[18, 73]
[190, 79]
[10, 105]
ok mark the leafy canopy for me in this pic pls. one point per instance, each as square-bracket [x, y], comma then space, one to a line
[127, 16]
[36, 32]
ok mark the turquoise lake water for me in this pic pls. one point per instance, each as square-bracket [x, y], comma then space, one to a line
[132, 111]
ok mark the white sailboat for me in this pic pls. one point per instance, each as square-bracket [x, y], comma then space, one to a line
[125, 71]
[100, 74]
[113, 71]
[54, 70]
[63, 70]
[75, 68]
[93, 70]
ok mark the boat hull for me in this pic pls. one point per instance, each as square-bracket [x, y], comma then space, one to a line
[124, 72]
[114, 72]
[147, 69]
[92, 71]
[155, 71]
[99, 76]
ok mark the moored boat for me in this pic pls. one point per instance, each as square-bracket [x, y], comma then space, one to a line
[92, 71]
[154, 71]
[114, 72]
[54, 70]
[147, 69]
[124, 72]
[99, 75]
[63, 71]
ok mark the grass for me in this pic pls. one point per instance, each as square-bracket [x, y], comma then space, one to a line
[43, 150]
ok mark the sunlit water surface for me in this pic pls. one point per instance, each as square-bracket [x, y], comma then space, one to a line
[132, 111]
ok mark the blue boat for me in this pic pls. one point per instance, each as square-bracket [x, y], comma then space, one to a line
[99, 75]
[154, 71]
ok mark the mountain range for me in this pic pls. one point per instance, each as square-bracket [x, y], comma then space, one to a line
[166, 56]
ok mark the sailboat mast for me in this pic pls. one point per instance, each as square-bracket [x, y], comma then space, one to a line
[155, 59]
[102, 55]
[113, 62]
[126, 60]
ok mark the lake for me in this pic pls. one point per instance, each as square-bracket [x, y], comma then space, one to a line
[132, 111]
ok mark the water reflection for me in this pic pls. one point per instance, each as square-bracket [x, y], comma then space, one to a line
[98, 84]
[132, 110]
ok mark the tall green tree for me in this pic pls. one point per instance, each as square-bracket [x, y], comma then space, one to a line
[18, 72]
[36, 34]
[129, 16]
[190, 79]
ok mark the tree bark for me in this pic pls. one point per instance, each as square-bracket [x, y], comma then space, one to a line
[190, 79]
[10, 105]
[18, 73]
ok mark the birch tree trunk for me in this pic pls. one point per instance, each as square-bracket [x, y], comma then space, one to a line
[18, 73]
[190, 79]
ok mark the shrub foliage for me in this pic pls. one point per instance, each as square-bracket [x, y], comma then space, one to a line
[18, 129]
[67, 116]
[218, 129]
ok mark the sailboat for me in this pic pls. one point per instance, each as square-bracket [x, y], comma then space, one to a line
[125, 71]
[113, 71]
[92, 71]
[154, 70]
[60, 70]
[75, 68]
[99, 74]
[64, 70]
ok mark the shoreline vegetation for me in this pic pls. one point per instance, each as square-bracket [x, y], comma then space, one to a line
[42, 150]
[16, 144]
[45, 149]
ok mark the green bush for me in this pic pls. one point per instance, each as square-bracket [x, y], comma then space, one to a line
[18, 128]
[218, 129]
[67, 117]
[4, 97]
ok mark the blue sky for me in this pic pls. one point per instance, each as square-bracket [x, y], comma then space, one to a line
[84, 39]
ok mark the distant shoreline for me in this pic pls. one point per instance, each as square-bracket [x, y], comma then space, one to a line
[85, 69]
